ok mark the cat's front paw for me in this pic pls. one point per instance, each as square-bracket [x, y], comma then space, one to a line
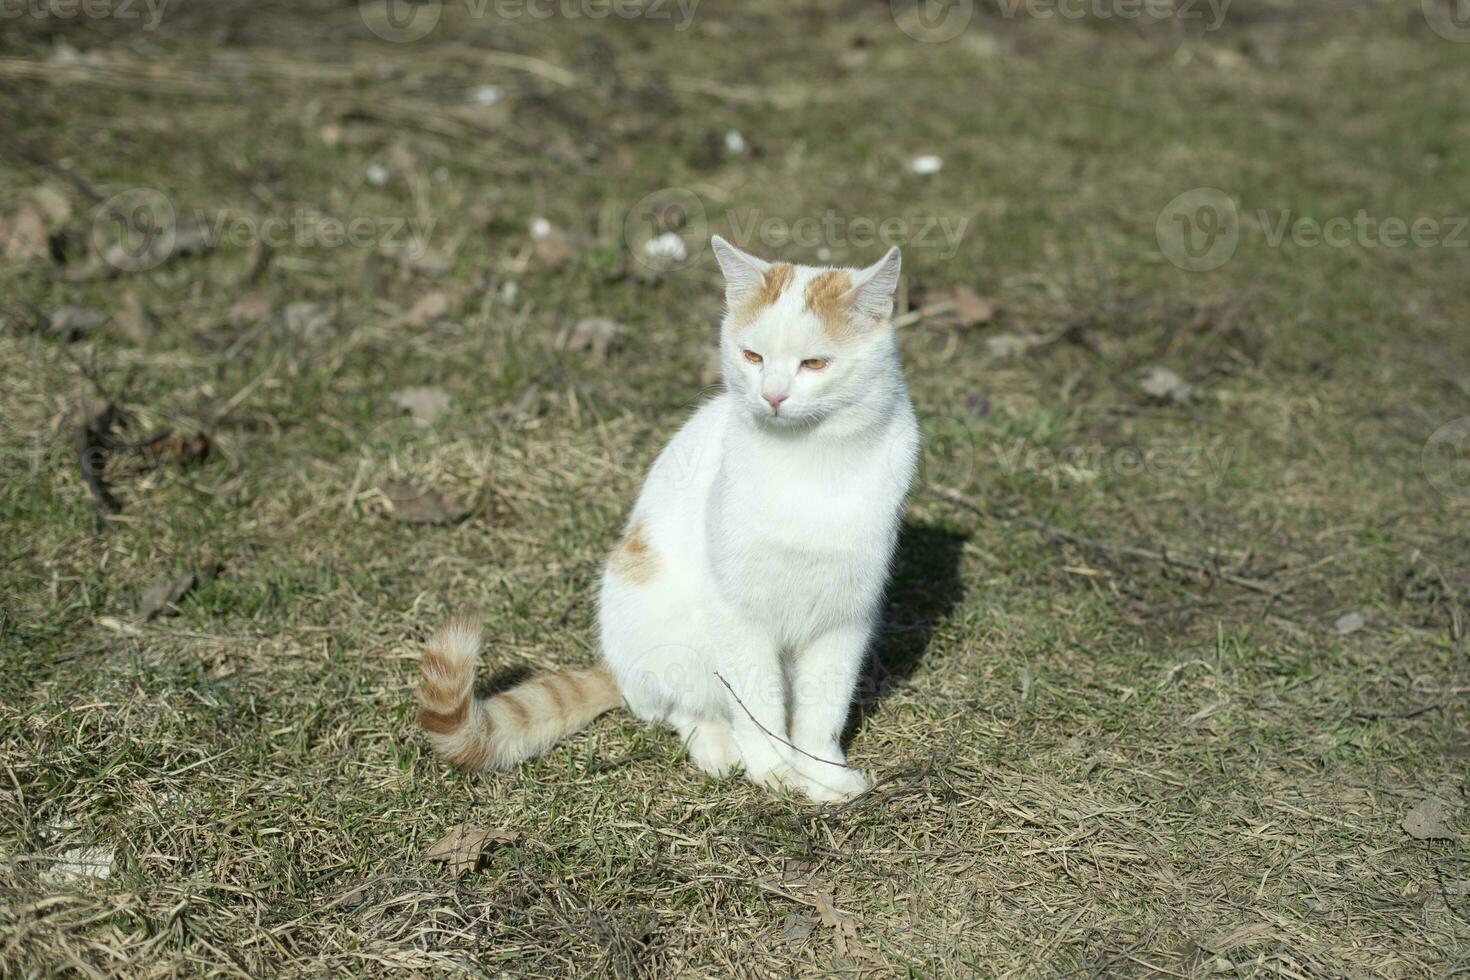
[781, 776]
[833, 783]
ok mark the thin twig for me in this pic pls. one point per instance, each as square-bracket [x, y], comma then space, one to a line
[839, 765]
[1406, 713]
[1117, 550]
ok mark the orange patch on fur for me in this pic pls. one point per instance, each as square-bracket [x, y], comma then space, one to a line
[773, 284]
[516, 707]
[553, 690]
[634, 560]
[826, 297]
[473, 753]
[444, 722]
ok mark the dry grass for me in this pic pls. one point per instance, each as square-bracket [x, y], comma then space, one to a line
[1112, 724]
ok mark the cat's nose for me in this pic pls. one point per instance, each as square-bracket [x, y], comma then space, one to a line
[774, 400]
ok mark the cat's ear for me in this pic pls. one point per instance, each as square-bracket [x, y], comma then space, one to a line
[871, 296]
[743, 272]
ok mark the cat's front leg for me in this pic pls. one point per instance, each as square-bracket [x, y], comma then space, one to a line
[755, 686]
[823, 678]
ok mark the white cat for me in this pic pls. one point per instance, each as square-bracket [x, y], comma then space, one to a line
[740, 604]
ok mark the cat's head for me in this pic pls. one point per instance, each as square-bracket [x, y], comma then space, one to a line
[800, 344]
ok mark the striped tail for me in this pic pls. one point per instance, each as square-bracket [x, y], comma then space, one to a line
[513, 726]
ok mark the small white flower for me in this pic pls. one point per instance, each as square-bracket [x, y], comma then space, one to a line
[735, 142]
[488, 95]
[926, 164]
[377, 174]
[540, 228]
[666, 246]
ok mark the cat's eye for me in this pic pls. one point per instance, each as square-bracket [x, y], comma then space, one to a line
[752, 356]
[816, 363]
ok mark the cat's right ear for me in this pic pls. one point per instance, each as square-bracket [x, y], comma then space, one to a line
[744, 273]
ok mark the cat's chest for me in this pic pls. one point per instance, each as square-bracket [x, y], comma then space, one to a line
[824, 505]
[806, 541]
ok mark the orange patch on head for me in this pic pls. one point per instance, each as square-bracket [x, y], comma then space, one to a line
[634, 559]
[777, 277]
[826, 297]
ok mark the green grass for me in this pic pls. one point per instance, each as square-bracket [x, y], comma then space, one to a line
[1088, 759]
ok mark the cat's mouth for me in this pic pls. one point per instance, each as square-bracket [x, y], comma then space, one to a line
[785, 418]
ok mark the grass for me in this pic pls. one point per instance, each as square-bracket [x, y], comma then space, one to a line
[1113, 724]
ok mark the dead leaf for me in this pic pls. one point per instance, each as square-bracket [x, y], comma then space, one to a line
[550, 246]
[461, 848]
[424, 404]
[959, 307]
[250, 308]
[430, 262]
[1429, 820]
[182, 449]
[430, 307]
[843, 925]
[797, 928]
[1161, 384]
[24, 236]
[597, 334]
[414, 505]
[134, 321]
[54, 204]
[71, 323]
[158, 599]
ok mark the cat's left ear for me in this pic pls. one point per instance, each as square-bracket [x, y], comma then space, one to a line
[871, 296]
[743, 271]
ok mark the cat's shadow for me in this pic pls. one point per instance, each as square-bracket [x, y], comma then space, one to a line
[924, 588]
